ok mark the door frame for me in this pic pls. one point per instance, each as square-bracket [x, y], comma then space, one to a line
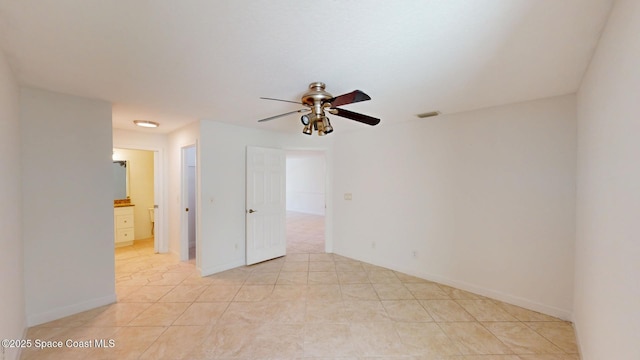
[184, 203]
[160, 244]
[328, 193]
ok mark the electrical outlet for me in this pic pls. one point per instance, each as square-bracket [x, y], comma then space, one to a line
[414, 253]
[373, 244]
[348, 196]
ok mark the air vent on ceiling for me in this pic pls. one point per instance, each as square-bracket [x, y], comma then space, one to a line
[428, 114]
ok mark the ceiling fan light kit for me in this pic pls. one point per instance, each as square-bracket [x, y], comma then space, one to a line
[318, 101]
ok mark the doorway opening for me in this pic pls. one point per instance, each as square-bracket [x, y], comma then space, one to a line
[306, 204]
[188, 250]
[139, 223]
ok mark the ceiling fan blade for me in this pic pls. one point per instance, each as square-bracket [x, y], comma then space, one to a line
[281, 115]
[350, 98]
[293, 102]
[365, 119]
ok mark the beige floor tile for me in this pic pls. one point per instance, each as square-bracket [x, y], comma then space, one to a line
[329, 266]
[323, 277]
[258, 278]
[119, 314]
[288, 293]
[297, 266]
[550, 357]
[296, 258]
[218, 293]
[149, 293]
[321, 257]
[559, 333]
[406, 311]
[77, 319]
[485, 357]
[159, 314]
[405, 278]
[446, 310]
[349, 266]
[230, 341]
[425, 339]
[383, 277]
[168, 278]
[202, 313]
[175, 340]
[473, 339]
[521, 339]
[365, 311]
[279, 341]
[231, 277]
[326, 312]
[426, 291]
[485, 310]
[290, 278]
[123, 291]
[254, 292]
[328, 340]
[307, 304]
[184, 293]
[358, 292]
[130, 343]
[353, 277]
[458, 294]
[393, 292]
[524, 314]
[379, 339]
[318, 292]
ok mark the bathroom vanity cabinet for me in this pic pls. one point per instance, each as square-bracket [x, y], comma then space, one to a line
[123, 225]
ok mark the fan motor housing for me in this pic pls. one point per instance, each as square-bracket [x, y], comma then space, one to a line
[316, 94]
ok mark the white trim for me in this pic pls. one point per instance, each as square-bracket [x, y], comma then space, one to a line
[58, 313]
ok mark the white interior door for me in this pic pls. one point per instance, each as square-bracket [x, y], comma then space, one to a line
[266, 204]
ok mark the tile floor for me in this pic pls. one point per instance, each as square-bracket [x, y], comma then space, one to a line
[308, 304]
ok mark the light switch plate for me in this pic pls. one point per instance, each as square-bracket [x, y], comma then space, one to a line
[348, 196]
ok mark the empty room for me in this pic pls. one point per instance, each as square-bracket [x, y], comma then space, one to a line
[424, 179]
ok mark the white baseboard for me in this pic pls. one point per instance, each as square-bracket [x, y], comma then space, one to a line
[58, 313]
[563, 314]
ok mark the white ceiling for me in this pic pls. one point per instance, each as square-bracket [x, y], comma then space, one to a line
[178, 61]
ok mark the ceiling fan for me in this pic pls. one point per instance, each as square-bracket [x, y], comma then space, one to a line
[317, 101]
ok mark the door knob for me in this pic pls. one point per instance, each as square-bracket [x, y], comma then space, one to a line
[251, 211]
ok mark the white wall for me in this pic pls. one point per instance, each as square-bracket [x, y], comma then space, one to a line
[67, 204]
[607, 291]
[306, 182]
[141, 186]
[222, 155]
[12, 313]
[486, 199]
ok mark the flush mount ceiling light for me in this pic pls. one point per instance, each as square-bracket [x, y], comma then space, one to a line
[146, 123]
[428, 114]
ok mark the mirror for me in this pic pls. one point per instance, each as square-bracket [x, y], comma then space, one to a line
[120, 179]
